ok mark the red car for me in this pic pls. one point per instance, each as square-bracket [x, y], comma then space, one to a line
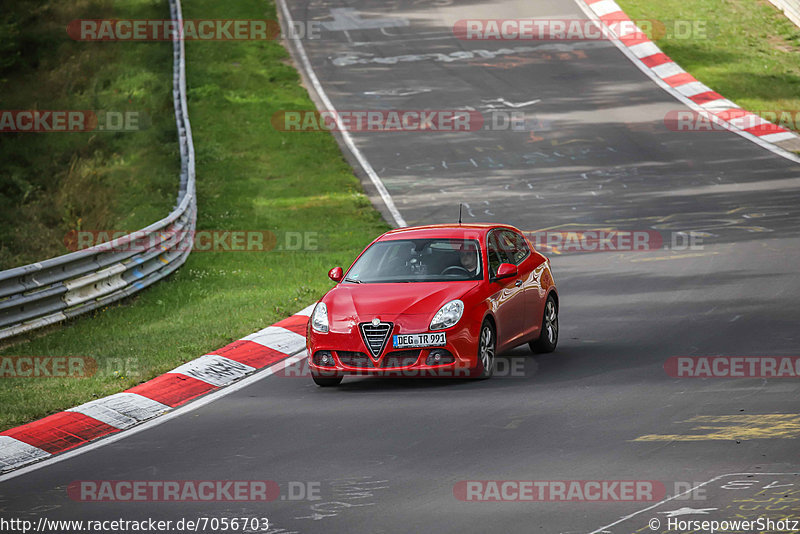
[437, 300]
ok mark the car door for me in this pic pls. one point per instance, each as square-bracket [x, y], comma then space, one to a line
[508, 295]
[530, 271]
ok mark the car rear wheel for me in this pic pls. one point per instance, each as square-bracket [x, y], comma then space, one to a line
[486, 348]
[327, 381]
[548, 338]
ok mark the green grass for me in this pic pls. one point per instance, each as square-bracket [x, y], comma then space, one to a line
[51, 183]
[750, 53]
[249, 177]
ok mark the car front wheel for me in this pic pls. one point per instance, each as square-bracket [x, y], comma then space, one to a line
[548, 338]
[486, 348]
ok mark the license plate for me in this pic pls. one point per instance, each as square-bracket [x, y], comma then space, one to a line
[433, 339]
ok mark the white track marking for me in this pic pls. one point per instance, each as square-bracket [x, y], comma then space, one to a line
[348, 140]
[656, 505]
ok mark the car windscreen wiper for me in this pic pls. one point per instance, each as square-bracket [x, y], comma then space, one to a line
[353, 280]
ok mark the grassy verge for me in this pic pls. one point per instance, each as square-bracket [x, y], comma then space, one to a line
[250, 177]
[51, 183]
[750, 53]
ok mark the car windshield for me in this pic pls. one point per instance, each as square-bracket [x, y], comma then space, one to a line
[418, 260]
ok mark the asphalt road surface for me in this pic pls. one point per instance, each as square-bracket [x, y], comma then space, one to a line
[386, 456]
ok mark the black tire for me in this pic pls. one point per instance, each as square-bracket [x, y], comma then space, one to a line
[487, 344]
[548, 338]
[327, 381]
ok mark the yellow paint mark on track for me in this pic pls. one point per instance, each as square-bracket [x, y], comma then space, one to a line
[731, 427]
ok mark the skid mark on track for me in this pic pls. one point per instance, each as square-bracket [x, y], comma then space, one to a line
[343, 495]
[676, 257]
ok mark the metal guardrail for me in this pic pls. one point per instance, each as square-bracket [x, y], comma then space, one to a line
[46, 292]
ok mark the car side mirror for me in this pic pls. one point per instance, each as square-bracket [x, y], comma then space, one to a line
[506, 270]
[336, 274]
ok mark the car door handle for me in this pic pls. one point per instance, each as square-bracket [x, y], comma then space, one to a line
[518, 283]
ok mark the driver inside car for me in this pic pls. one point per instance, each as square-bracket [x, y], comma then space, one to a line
[469, 258]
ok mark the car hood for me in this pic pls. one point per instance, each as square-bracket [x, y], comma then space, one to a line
[354, 303]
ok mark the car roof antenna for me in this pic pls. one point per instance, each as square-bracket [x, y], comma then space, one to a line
[459, 212]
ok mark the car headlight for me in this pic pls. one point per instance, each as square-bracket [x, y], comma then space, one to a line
[319, 319]
[448, 315]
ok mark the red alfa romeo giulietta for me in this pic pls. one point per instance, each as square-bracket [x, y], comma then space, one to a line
[436, 300]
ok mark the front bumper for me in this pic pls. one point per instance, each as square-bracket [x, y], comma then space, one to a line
[351, 356]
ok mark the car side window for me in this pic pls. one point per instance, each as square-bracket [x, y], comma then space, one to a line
[515, 246]
[496, 253]
[492, 254]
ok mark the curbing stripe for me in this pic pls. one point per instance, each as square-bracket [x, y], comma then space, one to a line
[692, 88]
[61, 431]
[766, 128]
[77, 426]
[667, 69]
[721, 104]
[214, 369]
[604, 7]
[680, 79]
[16, 453]
[172, 389]
[122, 410]
[644, 48]
[279, 339]
[706, 97]
[651, 57]
[656, 60]
[307, 310]
[777, 137]
[295, 323]
[251, 353]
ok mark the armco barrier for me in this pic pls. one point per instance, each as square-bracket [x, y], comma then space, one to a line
[46, 292]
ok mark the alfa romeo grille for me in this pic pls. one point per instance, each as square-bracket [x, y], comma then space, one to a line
[375, 336]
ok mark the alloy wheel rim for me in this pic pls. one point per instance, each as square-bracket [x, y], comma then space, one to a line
[487, 347]
[551, 321]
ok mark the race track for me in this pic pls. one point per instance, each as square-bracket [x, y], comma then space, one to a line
[388, 453]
